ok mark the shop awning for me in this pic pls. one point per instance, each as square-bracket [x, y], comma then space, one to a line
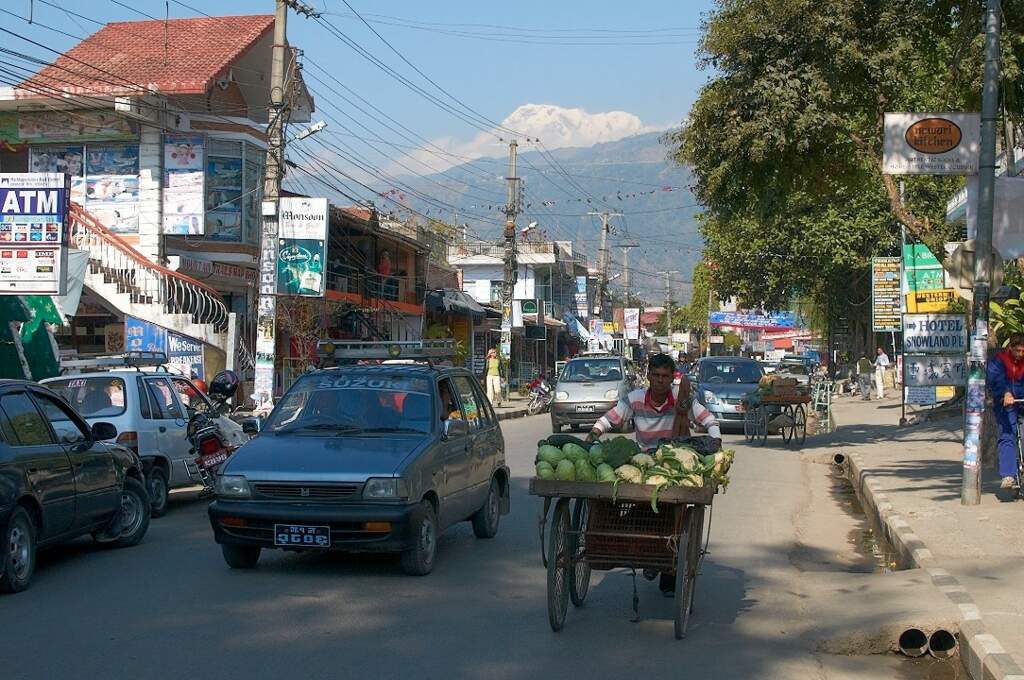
[452, 301]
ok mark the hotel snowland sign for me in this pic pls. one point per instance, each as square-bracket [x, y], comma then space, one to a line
[931, 143]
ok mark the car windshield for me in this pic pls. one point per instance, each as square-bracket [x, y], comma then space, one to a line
[98, 396]
[591, 370]
[794, 368]
[730, 372]
[354, 403]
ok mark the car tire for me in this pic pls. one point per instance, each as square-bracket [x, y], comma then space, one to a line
[156, 485]
[18, 552]
[556, 428]
[487, 518]
[241, 556]
[136, 509]
[419, 559]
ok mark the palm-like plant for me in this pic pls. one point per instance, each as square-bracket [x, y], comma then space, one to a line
[1007, 319]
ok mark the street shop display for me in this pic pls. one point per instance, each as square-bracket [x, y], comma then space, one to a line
[621, 508]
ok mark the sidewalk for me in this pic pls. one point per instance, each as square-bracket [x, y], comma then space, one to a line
[910, 477]
[513, 407]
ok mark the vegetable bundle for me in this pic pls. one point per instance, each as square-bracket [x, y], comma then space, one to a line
[619, 460]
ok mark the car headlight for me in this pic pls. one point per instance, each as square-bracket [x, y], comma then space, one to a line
[611, 394]
[233, 486]
[561, 396]
[385, 487]
[710, 397]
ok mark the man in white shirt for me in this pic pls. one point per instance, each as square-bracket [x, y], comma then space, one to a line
[881, 363]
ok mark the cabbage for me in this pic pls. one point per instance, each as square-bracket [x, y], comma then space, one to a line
[565, 471]
[585, 472]
[550, 454]
[575, 452]
[605, 472]
[545, 471]
[596, 455]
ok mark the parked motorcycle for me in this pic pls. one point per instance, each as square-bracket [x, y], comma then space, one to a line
[210, 446]
[541, 394]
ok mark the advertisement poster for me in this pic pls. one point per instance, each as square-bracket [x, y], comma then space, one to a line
[33, 233]
[142, 336]
[68, 160]
[885, 295]
[631, 321]
[52, 126]
[120, 218]
[740, 319]
[302, 231]
[185, 354]
[118, 159]
[223, 226]
[184, 184]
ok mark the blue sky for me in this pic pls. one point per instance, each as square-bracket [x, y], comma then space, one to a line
[656, 83]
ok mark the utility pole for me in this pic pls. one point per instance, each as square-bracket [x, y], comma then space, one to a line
[625, 268]
[708, 349]
[602, 263]
[266, 314]
[668, 304]
[970, 490]
[511, 264]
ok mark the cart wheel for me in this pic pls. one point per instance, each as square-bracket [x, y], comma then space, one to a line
[800, 425]
[558, 562]
[686, 568]
[749, 422]
[579, 584]
[762, 425]
[788, 426]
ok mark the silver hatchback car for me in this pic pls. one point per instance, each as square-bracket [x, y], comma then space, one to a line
[587, 388]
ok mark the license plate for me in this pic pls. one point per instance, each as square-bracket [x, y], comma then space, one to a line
[585, 408]
[213, 460]
[299, 536]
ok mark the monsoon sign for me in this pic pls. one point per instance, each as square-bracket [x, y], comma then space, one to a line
[772, 320]
[934, 334]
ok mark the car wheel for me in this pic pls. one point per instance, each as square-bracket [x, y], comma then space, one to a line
[486, 519]
[419, 559]
[135, 510]
[156, 484]
[18, 552]
[556, 428]
[241, 556]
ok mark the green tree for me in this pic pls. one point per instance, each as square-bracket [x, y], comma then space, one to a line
[785, 140]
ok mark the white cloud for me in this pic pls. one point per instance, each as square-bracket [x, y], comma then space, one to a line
[555, 126]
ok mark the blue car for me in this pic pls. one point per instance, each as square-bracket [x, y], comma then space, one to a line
[721, 383]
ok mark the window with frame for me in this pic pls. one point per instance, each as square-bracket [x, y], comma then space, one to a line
[163, 400]
[234, 176]
[67, 427]
[27, 425]
[448, 403]
[470, 402]
[190, 396]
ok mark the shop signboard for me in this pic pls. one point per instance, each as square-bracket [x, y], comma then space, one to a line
[143, 336]
[930, 370]
[885, 295]
[34, 233]
[741, 319]
[631, 321]
[922, 396]
[302, 241]
[931, 143]
[934, 334]
[185, 353]
[927, 301]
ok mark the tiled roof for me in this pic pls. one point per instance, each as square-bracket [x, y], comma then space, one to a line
[180, 56]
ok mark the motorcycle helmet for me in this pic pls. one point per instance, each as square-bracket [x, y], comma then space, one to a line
[224, 385]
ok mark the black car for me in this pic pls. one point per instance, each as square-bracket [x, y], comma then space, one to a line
[366, 459]
[60, 480]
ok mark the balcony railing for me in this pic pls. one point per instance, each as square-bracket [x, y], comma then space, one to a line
[345, 278]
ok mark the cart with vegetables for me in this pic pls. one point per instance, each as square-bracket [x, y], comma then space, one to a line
[615, 507]
[784, 396]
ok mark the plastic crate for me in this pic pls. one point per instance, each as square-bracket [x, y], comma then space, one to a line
[629, 534]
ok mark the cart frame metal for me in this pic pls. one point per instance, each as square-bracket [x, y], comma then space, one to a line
[614, 527]
[794, 412]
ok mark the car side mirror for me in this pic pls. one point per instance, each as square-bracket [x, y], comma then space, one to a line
[103, 431]
[456, 428]
[251, 426]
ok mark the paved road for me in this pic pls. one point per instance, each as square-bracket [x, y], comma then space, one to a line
[171, 608]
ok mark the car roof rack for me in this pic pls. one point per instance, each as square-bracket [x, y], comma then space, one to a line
[386, 350]
[135, 359]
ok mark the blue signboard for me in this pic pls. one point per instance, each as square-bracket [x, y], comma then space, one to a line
[142, 336]
[186, 353]
[781, 320]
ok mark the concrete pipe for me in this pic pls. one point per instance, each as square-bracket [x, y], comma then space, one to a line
[942, 644]
[913, 642]
[839, 459]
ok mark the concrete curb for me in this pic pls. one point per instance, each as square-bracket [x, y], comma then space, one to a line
[982, 654]
[509, 415]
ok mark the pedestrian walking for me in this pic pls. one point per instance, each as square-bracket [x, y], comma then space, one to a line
[881, 363]
[864, 370]
[1006, 380]
[493, 377]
